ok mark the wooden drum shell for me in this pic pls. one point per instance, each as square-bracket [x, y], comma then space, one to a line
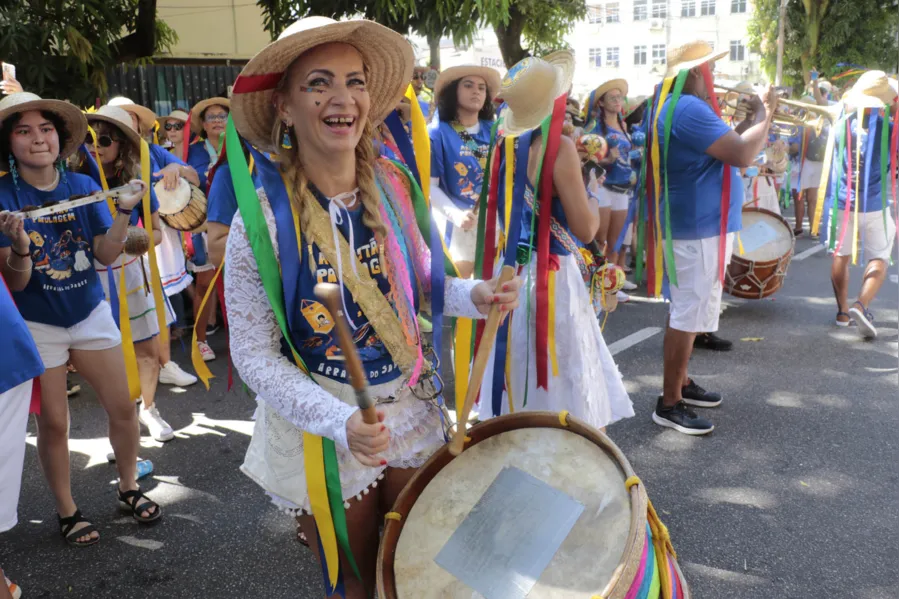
[758, 279]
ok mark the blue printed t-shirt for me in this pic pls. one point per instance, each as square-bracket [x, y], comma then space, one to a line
[620, 172]
[222, 200]
[872, 199]
[161, 158]
[424, 107]
[313, 332]
[64, 287]
[694, 177]
[459, 165]
[18, 353]
[198, 157]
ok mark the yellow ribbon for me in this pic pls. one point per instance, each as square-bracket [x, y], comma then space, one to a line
[314, 462]
[825, 177]
[196, 358]
[155, 279]
[740, 244]
[421, 143]
[508, 245]
[657, 184]
[551, 291]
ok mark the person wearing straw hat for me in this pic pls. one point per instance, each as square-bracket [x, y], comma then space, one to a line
[863, 216]
[62, 301]
[460, 142]
[117, 152]
[173, 130]
[580, 375]
[330, 211]
[704, 196]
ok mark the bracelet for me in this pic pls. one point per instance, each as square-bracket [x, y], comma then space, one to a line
[122, 242]
[125, 211]
[25, 255]
[26, 269]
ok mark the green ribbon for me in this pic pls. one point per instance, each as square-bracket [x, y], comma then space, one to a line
[669, 117]
[482, 206]
[841, 154]
[884, 163]
[335, 498]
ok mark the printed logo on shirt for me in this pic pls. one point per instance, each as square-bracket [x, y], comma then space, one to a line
[369, 255]
[57, 260]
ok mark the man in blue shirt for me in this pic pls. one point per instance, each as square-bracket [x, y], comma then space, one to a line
[701, 146]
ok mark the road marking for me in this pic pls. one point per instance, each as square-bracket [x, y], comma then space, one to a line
[894, 278]
[633, 339]
[809, 252]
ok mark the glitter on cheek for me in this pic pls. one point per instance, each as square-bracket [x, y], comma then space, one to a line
[312, 90]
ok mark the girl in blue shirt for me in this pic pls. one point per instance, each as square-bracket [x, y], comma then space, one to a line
[62, 301]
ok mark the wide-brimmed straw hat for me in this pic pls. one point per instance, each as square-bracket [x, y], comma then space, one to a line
[530, 89]
[175, 115]
[118, 117]
[633, 104]
[872, 90]
[196, 113]
[491, 76]
[607, 86]
[691, 54]
[389, 59]
[145, 116]
[70, 114]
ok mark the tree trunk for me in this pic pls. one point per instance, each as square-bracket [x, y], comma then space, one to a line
[434, 45]
[509, 37]
[142, 42]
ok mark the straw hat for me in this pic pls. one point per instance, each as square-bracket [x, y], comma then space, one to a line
[196, 121]
[491, 76]
[145, 116]
[607, 86]
[530, 89]
[388, 56]
[691, 54]
[872, 90]
[175, 115]
[117, 116]
[70, 114]
[633, 104]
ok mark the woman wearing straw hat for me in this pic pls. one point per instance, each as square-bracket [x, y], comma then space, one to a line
[117, 151]
[173, 130]
[864, 222]
[63, 302]
[694, 159]
[314, 96]
[460, 141]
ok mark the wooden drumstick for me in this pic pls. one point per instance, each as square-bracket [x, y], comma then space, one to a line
[329, 294]
[479, 365]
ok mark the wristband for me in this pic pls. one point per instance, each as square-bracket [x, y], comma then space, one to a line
[122, 242]
[25, 255]
[125, 211]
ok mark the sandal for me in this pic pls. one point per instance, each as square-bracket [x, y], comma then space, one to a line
[131, 500]
[848, 323]
[797, 232]
[66, 526]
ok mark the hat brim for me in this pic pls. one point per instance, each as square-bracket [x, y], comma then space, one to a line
[70, 114]
[608, 86]
[196, 122]
[133, 136]
[491, 76]
[145, 116]
[563, 61]
[673, 71]
[863, 100]
[387, 55]
[638, 102]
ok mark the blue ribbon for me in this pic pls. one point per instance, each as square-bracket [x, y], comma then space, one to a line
[403, 143]
[113, 296]
[869, 155]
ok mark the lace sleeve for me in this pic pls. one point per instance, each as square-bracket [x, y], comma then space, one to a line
[457, 298]
[255, 344]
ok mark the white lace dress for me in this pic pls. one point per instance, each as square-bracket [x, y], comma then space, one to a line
[285, 392]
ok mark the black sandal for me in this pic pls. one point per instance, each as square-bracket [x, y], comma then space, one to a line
[71, 536]
[131, 501]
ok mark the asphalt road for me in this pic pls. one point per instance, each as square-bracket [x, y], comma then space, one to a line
[794, 495]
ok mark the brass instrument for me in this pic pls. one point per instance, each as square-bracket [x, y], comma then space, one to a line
[734, 104]
[807, 115]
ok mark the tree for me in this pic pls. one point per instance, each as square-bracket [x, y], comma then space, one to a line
[63, 47]
[824, 33]
[542, 24]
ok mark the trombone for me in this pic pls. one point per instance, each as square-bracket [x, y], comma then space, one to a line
[811, 116]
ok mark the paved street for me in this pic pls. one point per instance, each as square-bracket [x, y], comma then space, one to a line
[794, 495]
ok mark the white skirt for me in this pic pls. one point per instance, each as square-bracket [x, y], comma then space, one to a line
[588, 384]
[141, 305]
[767, 194]
[172, 264]
[810, 176]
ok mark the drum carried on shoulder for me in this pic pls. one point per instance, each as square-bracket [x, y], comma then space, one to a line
[768, 243]
[538, 505]
[183, 208]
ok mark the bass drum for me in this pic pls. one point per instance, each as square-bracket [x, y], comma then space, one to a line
[768, 243]
[184, 208]
[613, 547]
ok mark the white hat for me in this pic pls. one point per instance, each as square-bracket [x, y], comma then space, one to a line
[70, 114]
[872, 90]
[118, 117]
[530, 89]
[145, 116]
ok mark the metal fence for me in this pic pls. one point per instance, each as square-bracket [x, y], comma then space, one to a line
[163, 88]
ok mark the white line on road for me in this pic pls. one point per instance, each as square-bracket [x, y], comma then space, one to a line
[894, 278]
[633, 339]
[809, 252]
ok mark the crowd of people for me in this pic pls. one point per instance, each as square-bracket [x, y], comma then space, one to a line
[328, 164]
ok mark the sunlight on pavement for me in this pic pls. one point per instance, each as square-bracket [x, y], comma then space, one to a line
[170, 491]
[94, 449]
[726, 575]
[142, 543]
[202, 425]
[739, 496]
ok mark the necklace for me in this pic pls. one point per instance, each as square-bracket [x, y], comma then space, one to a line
[51, 186]
[478, 151]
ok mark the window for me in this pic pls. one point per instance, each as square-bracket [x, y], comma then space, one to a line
[659, 9]
[707, 7]
[737, 51]
[737, 6]
[594, 14]
[639, 55]
[658, 54]
[612, 13]
[595, 57]
[612, 57]
[640, 10]
[711, 44]
[688, 8]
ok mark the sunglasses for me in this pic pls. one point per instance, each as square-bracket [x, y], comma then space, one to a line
[174, 126]
[416, 76]
[216, 118]
[104, 141]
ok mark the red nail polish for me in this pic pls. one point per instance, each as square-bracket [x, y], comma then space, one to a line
[383, 462]
[506, 287]
[383, 428]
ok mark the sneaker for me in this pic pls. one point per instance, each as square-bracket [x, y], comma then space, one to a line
[205, 351]
[713, 342]
[211, 329]
[424, 325]
[695, 395]
[14, 589]
[72, 389]
[864, 320]
[159, 428]
[171, 374]
[629, 286]
[681, 418]
[623, 298]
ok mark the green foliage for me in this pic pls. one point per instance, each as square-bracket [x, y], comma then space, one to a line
[62, 48]
[543, 23]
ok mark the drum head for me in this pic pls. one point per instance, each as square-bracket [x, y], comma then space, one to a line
[765, 236]
[173, 202]
[588, 558]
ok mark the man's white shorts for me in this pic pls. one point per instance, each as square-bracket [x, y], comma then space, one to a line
[96, 332]
[13, 423]
[810, 176]
[696, 300]
[615, 200]
[875, 239]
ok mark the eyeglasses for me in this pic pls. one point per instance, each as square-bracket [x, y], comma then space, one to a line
[174, 126]
[215, 118]
[104, 141]
[416, 76]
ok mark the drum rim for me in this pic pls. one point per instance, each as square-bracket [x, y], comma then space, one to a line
[386, 579]
[778, 264]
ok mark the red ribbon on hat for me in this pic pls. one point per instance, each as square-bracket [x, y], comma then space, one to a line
[247, 84]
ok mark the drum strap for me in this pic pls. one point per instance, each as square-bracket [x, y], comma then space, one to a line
[661, 540]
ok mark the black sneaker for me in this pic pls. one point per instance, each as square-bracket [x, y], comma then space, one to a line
[695, 395]
[682, 419]
[713, 342]
[211, 329]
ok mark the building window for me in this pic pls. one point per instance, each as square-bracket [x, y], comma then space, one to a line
[594, 14]
[639, 55]
[640, 10]
[611, 57]
[658, 54]
[707, 7]
[688, 8]
[737, 6]
[737, 51]
[595, 57]
[659, 9]
[612, 13]
[711, 45]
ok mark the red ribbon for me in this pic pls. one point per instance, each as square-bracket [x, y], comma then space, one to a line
[725, 183]
[247, 84]
[894, 146]
[490, 239]
[185, 142]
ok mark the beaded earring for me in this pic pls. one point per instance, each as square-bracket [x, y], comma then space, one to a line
[13, 171]
[61, 167]
[286, 142]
